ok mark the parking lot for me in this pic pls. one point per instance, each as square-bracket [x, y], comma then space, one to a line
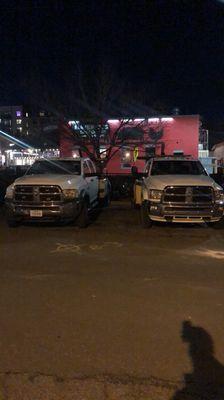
[100, 313]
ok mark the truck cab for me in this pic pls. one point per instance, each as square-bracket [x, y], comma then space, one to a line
[178, 189]
[56, 189]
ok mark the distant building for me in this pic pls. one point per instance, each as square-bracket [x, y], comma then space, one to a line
[12, 120]
[218, 152]
[19, 121]
[37, 129]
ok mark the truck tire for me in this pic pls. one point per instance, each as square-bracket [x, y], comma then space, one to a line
[134, 205]
[12, 222]
[105, 202]
[83, 217]
[217, 225]
[144, 213]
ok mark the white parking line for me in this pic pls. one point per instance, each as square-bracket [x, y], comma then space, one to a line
[80, 248]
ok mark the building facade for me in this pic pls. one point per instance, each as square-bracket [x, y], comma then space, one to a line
[13, 120]
[36, 129]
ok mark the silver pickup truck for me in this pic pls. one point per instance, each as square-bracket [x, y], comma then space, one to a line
[178, 189]
[56, 189]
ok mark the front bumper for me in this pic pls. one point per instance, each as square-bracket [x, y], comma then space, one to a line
[185, 212]
[51, 211]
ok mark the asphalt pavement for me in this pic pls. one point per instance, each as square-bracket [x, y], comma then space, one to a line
[113, 311]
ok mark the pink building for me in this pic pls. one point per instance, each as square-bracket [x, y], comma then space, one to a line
[142, 137]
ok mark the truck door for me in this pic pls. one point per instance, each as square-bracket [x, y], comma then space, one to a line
[93, 181]
[90, 181]
[86, 171]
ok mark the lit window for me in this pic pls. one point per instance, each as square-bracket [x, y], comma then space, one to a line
[19, 129]
[18, 114]
[18, 121]
[126, 154]
[27, 132]
[126, 157]
[103, 152]
[27, 115]
[7, 122]
[41, 114]
[74, 124]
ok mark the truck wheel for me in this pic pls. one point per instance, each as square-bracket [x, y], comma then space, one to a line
[217, 225]
[144, 213]
[134, 205]
[105, 202]
[83, 218]
[12, 223]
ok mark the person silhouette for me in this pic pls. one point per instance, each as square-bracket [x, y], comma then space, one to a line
[206, 382]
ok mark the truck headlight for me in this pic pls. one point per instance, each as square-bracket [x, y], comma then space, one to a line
[155, 195]
[9, 192]
[70, 193]
[219, 196]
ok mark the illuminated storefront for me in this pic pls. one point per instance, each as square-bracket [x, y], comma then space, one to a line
[14, 157]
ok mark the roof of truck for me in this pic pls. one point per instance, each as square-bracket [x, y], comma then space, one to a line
[174, 158]
[63, 159]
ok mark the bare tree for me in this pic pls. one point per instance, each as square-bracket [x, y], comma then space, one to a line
[96, 102]
[90, 100]
[92, 140]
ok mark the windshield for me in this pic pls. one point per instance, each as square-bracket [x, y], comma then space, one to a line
[177, 167]
[55, 167]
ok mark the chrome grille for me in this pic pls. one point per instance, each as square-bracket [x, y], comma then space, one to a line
[188, 194]
[37, 194]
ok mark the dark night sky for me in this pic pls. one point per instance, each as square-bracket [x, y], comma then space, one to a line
[176, 47]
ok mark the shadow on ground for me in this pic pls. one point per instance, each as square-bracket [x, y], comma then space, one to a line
[206, 382]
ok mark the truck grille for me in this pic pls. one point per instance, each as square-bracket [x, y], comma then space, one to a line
[188, 194]
[25, 194]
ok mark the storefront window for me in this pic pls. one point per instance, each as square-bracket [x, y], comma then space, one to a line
[130, 133]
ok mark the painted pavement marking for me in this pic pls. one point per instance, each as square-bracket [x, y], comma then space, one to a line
[80, 248]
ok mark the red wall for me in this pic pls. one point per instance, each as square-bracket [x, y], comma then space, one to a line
[179, 133]
[182, 134]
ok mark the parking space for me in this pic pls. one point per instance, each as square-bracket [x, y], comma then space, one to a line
[109, 300]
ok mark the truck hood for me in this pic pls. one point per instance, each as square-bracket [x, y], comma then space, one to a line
[161, 181]
[64, 181]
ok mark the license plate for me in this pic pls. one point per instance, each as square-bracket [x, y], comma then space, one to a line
[36, 213]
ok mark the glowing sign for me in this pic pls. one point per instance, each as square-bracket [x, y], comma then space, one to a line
[135, 153]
